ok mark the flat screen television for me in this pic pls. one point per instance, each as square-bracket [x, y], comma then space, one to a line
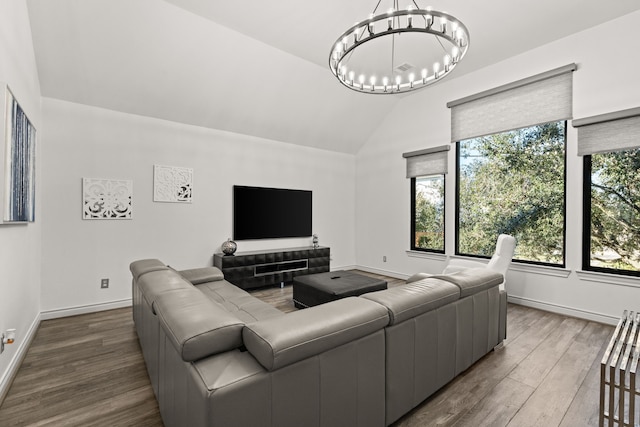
[270, 213]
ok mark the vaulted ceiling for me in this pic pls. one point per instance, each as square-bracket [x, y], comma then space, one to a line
[260, 67]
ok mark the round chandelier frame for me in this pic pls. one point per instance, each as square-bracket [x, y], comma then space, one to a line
[439, 24]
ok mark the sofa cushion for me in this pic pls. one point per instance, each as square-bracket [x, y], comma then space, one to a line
[202, 275]
[283, 340]
[412, 299]
[473, 280]
[196, 326]
[238, 302]
[138, 268]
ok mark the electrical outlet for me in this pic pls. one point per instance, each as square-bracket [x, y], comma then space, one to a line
[104, 283]
[384, 258]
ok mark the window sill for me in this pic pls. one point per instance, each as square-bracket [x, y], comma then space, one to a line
[540, 269]
[427, 255]
[611, 279]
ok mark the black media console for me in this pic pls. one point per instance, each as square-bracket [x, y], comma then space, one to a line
[256, 269]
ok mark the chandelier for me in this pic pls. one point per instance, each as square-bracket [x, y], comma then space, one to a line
[398, 51]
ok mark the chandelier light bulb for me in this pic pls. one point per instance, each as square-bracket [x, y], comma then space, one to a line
[345, 56]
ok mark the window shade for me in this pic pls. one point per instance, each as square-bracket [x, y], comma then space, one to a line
[432, 161]
[542, 98]
[609, 132]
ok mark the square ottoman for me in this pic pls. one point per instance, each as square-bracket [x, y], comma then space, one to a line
[314, 289]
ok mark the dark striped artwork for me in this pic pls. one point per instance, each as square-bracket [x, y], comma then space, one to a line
[19, 191]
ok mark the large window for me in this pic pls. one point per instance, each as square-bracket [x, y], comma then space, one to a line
[427, 225]
[514, 183]
[612, 212]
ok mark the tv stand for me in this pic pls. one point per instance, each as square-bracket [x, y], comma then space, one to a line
[255, 269]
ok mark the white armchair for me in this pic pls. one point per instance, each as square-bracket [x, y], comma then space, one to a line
[499, 262]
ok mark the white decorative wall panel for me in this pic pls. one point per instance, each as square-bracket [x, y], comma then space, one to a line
[106, 198]
[172, 184]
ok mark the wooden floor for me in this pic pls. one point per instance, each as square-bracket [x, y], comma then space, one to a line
[88, 371]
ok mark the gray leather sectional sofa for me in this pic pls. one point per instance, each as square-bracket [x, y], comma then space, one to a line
[217, 356]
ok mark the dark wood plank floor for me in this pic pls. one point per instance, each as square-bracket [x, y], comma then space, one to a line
[88, 371]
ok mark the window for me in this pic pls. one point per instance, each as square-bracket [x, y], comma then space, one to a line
[513, 182]
[426, 169]
[610, 144]
[611, 241]
[427, 207]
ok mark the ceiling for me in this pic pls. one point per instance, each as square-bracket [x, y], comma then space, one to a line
[260, 67]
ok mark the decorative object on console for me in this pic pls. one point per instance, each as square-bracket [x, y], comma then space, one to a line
[172, 184]
[106, 198]
[229, 247]
[17, 162]
[360, 64]
[315, 241]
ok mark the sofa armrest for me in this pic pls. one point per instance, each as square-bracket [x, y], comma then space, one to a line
[196, 326]
[140, 267]
[418, 276]
[283, 340]
[202, 275]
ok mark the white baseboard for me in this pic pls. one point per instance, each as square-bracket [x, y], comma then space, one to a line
[18, 357]
[91, 308]
[565, 310]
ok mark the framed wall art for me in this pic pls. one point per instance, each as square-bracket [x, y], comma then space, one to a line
[107, 198]
[17, 162]
[172, 184]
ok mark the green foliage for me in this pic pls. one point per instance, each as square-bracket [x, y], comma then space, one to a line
[429, 214]
[513, 183]
[615, 210]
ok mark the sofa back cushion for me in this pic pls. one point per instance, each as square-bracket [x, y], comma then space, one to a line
[472, 280]
[196, 326]
[412, 299]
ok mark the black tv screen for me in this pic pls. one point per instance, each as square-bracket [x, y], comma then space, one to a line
[270, 213]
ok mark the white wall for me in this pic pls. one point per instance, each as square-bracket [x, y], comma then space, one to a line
[90, 142]
[19, 244]
[606, 80]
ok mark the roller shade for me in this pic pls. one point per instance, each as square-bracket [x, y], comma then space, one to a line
[609, 132]
[431, 161]
[538, 99]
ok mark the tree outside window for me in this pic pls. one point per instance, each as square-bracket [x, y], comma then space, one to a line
[513, 183]
[612, 212]
[427, 231]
